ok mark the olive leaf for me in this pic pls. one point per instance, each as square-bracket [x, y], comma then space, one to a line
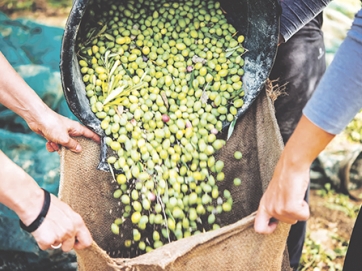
[112, 95]
[209, 70]
[140, 166]
[123, 90]
[164, 98]
[111, 170]
[197, 59]
[127, 71]
[192, 79]
[231, 128]
[117, 101]
[236, 94]
[91, 36]
[115, 66]
[204, 97]
[230, 51]
[159, 200]
[110, 37]
[106, 62]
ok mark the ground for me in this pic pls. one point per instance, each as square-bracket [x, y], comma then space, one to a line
[328, 231]
[332, 214]
[332, 219]
[54, 13]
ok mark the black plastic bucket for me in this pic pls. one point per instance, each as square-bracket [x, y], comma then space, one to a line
[257, 20]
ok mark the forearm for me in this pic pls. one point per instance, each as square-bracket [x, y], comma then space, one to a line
[297, 13]
[22, 194]
[284, 198]
[17, 95]
[305, 144]
[18, 191]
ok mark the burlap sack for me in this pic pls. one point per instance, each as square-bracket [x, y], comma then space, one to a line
[233, 247]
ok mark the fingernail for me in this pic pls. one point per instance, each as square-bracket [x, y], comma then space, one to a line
[78, 148]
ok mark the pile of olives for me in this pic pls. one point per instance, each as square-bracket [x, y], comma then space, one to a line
[162, 77]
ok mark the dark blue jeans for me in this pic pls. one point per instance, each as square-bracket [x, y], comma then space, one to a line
[299, 65]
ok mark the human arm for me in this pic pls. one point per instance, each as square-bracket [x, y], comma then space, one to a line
[335, 102]
[284, 197]
[19, 192]
[18, 96]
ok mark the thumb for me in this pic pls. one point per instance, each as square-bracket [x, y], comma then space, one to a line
[83, 239]
[264, 223]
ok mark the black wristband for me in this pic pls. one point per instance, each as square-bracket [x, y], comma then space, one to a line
[37, 222]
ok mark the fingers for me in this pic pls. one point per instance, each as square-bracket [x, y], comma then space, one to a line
[293, 214]
[66, 141]
[91, 135]
[58, 130]
[76, 129]
[83, 239]
[304, 213]
[72, 145]
[68, 244]
[74, 243]
[51, 146]
[56, 246]
[62, 225]
[80, 130]
[264, 223]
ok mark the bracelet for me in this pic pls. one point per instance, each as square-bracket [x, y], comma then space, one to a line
[37, 222]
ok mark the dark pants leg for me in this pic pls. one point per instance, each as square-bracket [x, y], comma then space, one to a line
[299, 65]
[296, 239]
[353, 259]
